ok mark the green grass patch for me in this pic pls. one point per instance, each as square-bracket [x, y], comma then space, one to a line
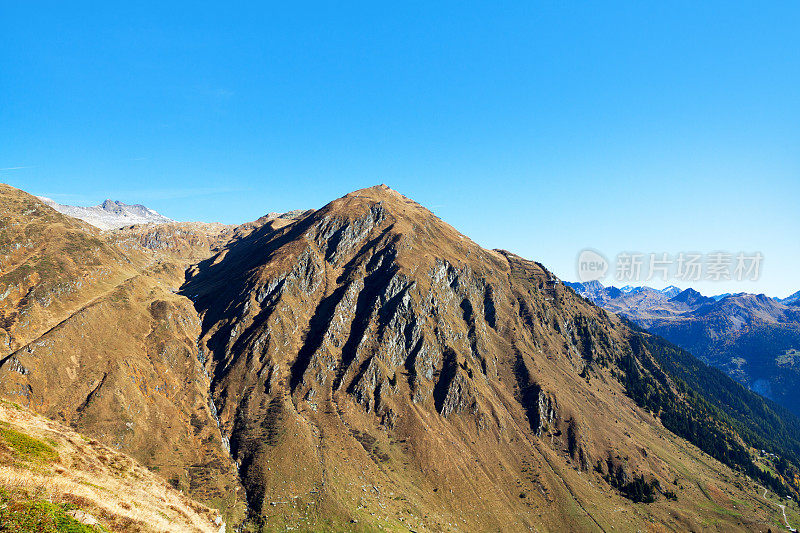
[90, 484]
[20, 514]
[13, 405]
[27, 448]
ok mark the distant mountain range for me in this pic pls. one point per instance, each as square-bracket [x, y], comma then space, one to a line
[753, 338]
[110, 214]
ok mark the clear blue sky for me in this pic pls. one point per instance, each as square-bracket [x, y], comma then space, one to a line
[543, 128]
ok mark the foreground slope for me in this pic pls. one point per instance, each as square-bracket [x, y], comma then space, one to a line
[54, 479]
[373, 367]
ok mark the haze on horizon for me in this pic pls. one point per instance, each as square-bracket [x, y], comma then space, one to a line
[541, 129]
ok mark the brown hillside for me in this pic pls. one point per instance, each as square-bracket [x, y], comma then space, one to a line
[50, 266]
[359, 367]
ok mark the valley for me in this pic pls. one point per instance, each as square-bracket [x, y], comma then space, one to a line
[752, 338]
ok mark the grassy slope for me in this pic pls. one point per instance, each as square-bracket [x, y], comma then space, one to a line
[50, 474]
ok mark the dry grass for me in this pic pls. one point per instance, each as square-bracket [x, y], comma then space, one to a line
[121, 494]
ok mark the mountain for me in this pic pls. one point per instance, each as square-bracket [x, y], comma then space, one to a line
[54, 479]
[671, 291]
[93, 334]
[691, 299]
[792, 299]
[364, 366]
[753, 338]
[392, 355]
[110, 214]
[596, 292]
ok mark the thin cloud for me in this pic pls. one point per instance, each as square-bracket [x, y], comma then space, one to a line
[220, 93]
[13, 168]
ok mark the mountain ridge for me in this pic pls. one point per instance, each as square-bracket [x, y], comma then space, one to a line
[366, 366]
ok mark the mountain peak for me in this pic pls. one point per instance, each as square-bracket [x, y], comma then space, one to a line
[690, 297]
[382, 193]
[418, 236]
[111, 214]
[390, 200]
[375, 189]
[671, 291]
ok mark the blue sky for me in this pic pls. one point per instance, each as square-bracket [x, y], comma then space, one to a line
[542, 128]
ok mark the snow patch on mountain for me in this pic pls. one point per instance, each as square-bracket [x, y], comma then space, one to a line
[110, 214]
